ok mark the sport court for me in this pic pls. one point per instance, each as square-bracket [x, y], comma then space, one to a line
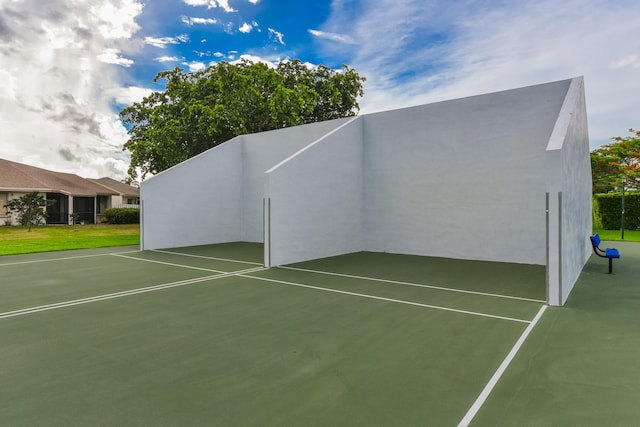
[206, 335]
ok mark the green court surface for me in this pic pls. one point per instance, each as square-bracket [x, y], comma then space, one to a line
[207, 336]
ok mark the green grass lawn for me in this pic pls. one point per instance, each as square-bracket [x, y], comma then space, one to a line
[616, 235]
[18, 240]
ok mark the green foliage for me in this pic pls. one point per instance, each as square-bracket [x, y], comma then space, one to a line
[31, 208]
[122, 215]
[613, 162]
[200, 110]
[75, 217]
[607, 211]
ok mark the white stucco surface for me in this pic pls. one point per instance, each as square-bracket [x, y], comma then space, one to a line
[316, 199]
[261, 152]
[216, 197]
[467, 178]
[569, 186]
[197, 202]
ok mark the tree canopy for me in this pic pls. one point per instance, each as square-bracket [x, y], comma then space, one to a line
[613, 162]
[199, 110]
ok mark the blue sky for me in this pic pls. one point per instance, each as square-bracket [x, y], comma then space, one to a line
[68, 66]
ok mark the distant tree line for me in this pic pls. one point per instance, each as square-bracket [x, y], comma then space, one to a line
[615, 162]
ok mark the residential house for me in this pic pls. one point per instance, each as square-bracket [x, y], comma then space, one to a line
[69, 193]
[124, 195]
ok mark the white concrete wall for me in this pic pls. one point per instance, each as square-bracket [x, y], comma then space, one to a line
[315, 199]
[466, 178]
[569, 186]
[196, 202]
[216, 197]
[263, 151]
[462, 178]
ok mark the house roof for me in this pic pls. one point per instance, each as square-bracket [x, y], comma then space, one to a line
[118, 187]
[20, 177]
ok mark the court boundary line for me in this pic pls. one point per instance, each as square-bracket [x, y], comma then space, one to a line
[35, 261]
[243, 273]
[206, 257]
[434, 307]
[168, 263]
[486, 391]
[104, 297]
[397, 282]
[373, 279]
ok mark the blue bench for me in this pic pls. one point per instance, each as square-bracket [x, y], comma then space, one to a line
[609, 253]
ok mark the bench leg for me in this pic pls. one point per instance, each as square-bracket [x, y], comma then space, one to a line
[610, 265]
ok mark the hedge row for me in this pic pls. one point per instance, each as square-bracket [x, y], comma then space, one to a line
[122, 215]
[607, 211]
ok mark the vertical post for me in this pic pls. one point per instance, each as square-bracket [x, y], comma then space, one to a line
[560, 296]
[266, 226]
[548, 242]
[622, 210]
[141, 224]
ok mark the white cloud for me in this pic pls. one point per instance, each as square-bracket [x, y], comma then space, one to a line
[112, 56]
[189, 20]
[195, 66]
[211, 4]
[342, 38]
[8, 87]
[276, 35]
[167, 59]
[254, 1]
[56, 76]
[418, 51]
[245, 28]
[632, 61]
[128, 95]
[162, 42]
[116, 19]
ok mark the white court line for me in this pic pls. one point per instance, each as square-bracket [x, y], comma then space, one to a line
[168, 263]
[486, 294]
[65, 258]
[501, 369]
[87, 300]
[206, 257]
[435, 307]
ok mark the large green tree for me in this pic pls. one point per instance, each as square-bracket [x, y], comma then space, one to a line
[616, 161]
[199, 110]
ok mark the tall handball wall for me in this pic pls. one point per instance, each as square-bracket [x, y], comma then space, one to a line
[569, 187]
[261, 152]
[462, 178]
[196, 202]
[314, 199]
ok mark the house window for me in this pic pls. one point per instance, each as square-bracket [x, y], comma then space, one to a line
[58, 208]
[102, 205]
[84, 207]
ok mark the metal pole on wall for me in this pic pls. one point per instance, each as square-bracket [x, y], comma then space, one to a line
[622, 218]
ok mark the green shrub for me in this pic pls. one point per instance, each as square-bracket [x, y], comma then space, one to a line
[607, 213]
[122, 215]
